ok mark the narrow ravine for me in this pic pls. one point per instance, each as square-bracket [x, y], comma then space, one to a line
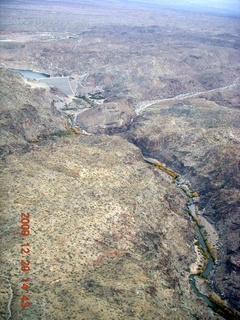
[211, 298]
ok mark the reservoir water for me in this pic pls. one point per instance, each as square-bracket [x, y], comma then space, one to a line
[61, 83]
[32, 74]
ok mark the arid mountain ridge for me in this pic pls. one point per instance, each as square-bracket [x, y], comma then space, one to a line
[153, 59]
[104, 226]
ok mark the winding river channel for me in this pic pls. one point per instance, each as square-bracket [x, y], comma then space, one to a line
[213, 301]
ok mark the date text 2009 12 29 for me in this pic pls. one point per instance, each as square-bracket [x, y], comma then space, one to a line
[25, 262]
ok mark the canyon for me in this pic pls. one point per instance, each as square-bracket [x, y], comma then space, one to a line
[110, 237]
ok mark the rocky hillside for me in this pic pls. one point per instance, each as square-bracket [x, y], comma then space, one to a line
[200, 139]
[26, 112]
[108, 235]
[109, 238]
[110, 117]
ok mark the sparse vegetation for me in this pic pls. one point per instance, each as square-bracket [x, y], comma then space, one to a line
[169, 171]
[195, 194]
[86, 99]
[179, 74]
[197, 243]
[221, 308]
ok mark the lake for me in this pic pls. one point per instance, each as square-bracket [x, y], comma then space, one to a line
[31, 74]
[61, 83]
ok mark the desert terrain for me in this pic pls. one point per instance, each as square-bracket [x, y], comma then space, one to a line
[110, 236]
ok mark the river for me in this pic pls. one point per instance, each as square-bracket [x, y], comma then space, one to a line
[213, 300]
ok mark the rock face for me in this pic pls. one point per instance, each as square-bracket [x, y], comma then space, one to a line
[26, 111]
[200, 140]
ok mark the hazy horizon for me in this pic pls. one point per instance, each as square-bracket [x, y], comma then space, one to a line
[218, 6]
[222, 7]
